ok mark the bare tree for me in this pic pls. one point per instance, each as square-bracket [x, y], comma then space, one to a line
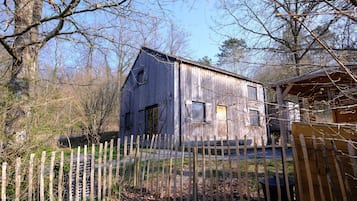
[274, 28]
[29, 25]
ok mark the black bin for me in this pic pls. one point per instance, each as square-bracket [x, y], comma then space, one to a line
[273, 189]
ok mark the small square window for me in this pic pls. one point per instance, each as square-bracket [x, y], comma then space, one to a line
[252, 93]
[254, 118]
[198, 112]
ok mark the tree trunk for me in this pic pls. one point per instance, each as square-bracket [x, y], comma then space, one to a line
[24, 66]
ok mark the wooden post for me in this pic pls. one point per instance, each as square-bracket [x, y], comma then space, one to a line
[78, 162]
[256, 168]
[211, 182]
[266, 176]
[230, 170]
[30, 178]
[3, 181]
[182, 169]
[84, 179]
[117, 167]
[307, 167]
[125, 155]
[297, 170]
[50, 184]
[42, 176]
[131, 150]
[317, 165]
[70, 177]
[110, 178]
[158, 164]
[189, 166]
[99, 179]
[282, 123]
[18, 179]
[60, 178]
[195, 175]
[283, 134]
[246, 168]
[92, 168]
[105, 167]
[238, 169]
[337, 161]
[136, 162]
[330, 184]
[170, 167]
[277, 177]
[151, 159]
[216, 166]
[223, 170]
[175, 169]
[203, 170]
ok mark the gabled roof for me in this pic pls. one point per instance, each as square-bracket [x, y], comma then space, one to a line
[172, 58]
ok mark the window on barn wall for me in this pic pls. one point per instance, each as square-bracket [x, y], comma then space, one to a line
[252, 93]
[152, 119]
[140, 78]
[198, 112]
[128, 120]
[221, 116]
[254, 118]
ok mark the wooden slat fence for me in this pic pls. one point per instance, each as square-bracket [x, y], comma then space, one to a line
[325, 161]
[152, 165]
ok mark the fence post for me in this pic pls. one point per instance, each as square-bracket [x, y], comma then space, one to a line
[18, 179]
[110, 179]
[84, 178]
[307, 167]
[30, 177]
[60, 178]
[77, 173]
[105, 165]
[50, 185]
[42, 176]
[3, 181]
[92, 178]
[70, 178]
[256, 168]
[195, 175]
[100, 171]
[297, 170]
[266, 177]
[277, 179]
[136, 162]
[117, 167]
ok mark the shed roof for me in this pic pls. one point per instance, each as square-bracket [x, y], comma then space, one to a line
[316, 84]
[171, 58]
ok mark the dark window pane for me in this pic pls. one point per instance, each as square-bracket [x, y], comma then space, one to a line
[252, 93]
[152, 119]
[128, 120]
[140, 77]
[254, 118]
[198, 112]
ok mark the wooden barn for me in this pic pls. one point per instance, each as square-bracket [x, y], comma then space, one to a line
[167, 94]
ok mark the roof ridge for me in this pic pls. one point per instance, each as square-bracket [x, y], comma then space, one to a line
[198, 64]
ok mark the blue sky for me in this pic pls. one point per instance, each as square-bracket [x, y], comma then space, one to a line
[196, 19]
